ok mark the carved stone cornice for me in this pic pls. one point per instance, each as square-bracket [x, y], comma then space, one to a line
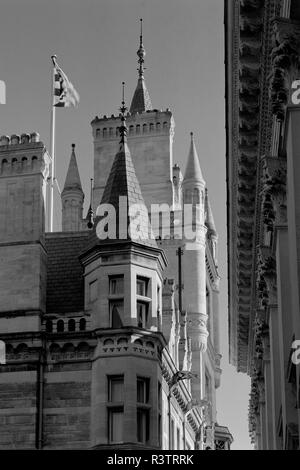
[274, 187]
[285, 63]
[266, 277]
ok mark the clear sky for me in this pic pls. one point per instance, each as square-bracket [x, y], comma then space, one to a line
[96, 43]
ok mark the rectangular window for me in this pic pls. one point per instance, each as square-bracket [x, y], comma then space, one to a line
[115, 413]
[115, 424]
[142, 286]
[142, 425]
[116, 285]
[116, 389]
[116, 312]
[142, 314]
[142, 388]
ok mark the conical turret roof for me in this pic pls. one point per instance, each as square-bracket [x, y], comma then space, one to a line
[73, 179]
[193, 171]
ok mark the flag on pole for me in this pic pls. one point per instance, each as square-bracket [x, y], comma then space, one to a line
[65, 94]
[2, 92]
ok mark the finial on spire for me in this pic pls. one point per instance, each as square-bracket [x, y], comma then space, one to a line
[123, 109]
[141, 53]
[73, 147]
[192, 135]
[90, 214]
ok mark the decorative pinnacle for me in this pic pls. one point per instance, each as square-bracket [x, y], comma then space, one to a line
[123, 109]
[192, 135]
[73, 146]
[141, 53]
[90, 214]
[54, 57]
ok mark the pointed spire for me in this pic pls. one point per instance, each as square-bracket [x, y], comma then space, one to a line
[122, 181]
[73, 179]
[209, 218]
[193, 171]
[141, 101]
[123, 128]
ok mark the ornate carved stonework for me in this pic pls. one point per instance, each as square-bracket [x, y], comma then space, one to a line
[274, 187]
[285, 63]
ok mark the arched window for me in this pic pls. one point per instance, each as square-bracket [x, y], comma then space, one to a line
[138, 129]
[104, 132]
[131, 129]
[4, 165]
[34, 162]
[158, 126]
[196, 196]
[151, 127]
[71, 325]
[111, 132]
[82, 324]
[98, 132]
[49, 326]
[144, 128]
[165, 125]
[60, 326]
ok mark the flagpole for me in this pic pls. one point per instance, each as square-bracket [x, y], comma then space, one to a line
[52, 149]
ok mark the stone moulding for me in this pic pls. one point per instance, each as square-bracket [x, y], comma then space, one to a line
[274, 184]
[285, 64]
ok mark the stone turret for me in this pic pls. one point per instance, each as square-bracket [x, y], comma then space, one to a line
[24, 167]
[72, 198]
[125, 276]
[194, 265]
[150, 139]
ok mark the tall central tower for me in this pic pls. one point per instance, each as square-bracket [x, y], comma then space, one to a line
[150, 139]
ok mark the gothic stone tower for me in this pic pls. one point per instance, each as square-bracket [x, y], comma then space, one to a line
[150, 139]
[24, 165]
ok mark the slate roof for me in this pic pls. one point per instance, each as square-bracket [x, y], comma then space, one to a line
[193, 170]
[65, 287]
[72, 178]
[141, 101]
[122, 181]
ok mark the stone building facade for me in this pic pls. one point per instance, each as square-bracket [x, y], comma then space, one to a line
[262, 123]
[101, 349]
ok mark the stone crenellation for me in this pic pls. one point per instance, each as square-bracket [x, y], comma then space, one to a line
[16, 139]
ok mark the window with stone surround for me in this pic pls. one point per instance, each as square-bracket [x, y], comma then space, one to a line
[115, 408]
[143, 409]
